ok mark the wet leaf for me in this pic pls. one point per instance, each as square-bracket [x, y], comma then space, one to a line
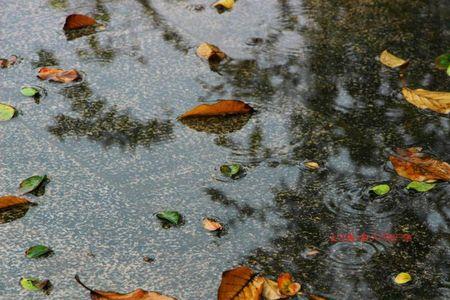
[448, 71]
[315, 297]
[35, 285]
[230, 170]
[7, 112]
[411, 163]
[381, 189]
[391, 60]
[138, 294]
[220, 108]
[170, 216]
[287, 285]
[31, 183]
[312, 165]
[435, 101]
[420, 186]
[11, 201]
[402, 278]
[240, 284]
[58, 75]
[78, 21]
[13, 208]
[29, 91]
[37, 251]
[6, 63]
[210, 52]
[211, 225]
[271, 290]
[443, 61]
[224, 4]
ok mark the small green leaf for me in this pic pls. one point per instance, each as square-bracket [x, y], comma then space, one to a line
[170, 216]
[402, 278]
[448, 71]
[34, 284]
[37, 251]
[420, 186]
[7, 112]
[443, 61]
[230, 170]
[28, 91]
[30, 184]
[381, 189]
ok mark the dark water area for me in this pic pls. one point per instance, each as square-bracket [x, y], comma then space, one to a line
[116, 154]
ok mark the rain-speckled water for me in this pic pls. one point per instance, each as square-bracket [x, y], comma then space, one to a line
[116, 155]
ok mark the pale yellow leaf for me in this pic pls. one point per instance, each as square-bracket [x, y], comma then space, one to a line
[436, 101]
[271, 290]
[227, 4]
[391, 60]
[402, 278]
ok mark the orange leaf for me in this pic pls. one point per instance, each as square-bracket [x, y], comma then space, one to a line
[138, 294]
[220, 108]
[240, 284]
[211, 225]
[58, 75]
[10, 201]
[210, 52]
[77, 21]
[412, 164]
[287, 285]
[436, 101]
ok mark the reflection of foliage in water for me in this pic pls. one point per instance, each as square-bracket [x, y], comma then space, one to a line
[45, 58]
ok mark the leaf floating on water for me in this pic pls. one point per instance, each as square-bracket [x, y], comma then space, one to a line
[287, 285]
[420, 186]
[210, 52]
[13, 208]
[391, 60]
[170, 216]
[224, 4]
[11, 201]
[35, 285]
[220, 108]
[29, 91]
[402, 278]
[240, 284]
[271, 290]
[138, 294]
[7, 112]
[436, 101]
[6, 63]
[411, 163]
[37, 251]
[312, 165]
[442, 62]
[31, 183]
[78, 21]
[58, 75]
[381, 189]
[230, 170]
[211, 225]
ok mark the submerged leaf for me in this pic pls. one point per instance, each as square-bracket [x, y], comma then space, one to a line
[224, 4]
[220, 108]
[29, 91]
[230, 170]
[443, 61]
[391, 60]
[381, 189]
[7, 112]
[78, 21]
[240, 284]
[210, 52]
[31, 183]
[436, 101]
[420, 186]
[58, 75]
[35, 285]
[402, 278]
[211, 225]
[37, 251]
[170, 216]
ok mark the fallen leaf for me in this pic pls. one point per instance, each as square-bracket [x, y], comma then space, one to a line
[138, 294]
[31, 183]
[231, 170]
[240, 284]
[29, 91]
[11, 201]
[37, 251]
[402, 278]
[35, 285]
[210, 52]
[211, 225]
[220, 108]
[6, 63]
[381, 189]
[7, 112]
[443, 61]
[271, 290]
[420, 186]
[315, 297]
[436, 101]
[13, 208]
[312, 165]
[58, 75]
[170, 216]
[411, 163]
[287, 285]
[391, 60]
[224, 4]
[217, 124]
[77, 21]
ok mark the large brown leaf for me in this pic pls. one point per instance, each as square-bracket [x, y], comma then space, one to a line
[240, 284]
[11, 201]
[138, 294]
[77, 21]
[58, 75]
[391, 60]
[220, 108]
[436, 101]
[411, 163]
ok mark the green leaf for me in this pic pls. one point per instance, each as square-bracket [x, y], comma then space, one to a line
[170, 216]
[448, 71]
[230, 170]
[420, 186]
[34, 284]
[7, 112]
[381, 189]
[37, 251]
[29, 91]
[443, 61]
[30, 184]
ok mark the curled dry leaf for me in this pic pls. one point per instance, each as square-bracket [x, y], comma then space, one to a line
[211, 225]
[240, 284]
[411, 163]
[210, 52]
[220, 108]
[58, 75]
[271, 290]
[12, 201]
[138, 294]
[391, 60]
[78, 21]
[287, 285]
[436, 101]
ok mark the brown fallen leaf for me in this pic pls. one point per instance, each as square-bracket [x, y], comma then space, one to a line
[391, 60]
[220, 108]
[6, 63]
[58, 75]
[315, 297]
[11, 201]
[287, 285]
[138, 294]
[411, 163]
[211, 225]
[210, 52]
[240, 284]
[436, 101]
[271, 290]
[77, 21]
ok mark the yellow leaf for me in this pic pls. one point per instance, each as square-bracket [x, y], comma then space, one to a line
[271, 290]
[402, 278]
[312, 165]
[227, 4]
[391, 60]
[436, 101]
[210, 52]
